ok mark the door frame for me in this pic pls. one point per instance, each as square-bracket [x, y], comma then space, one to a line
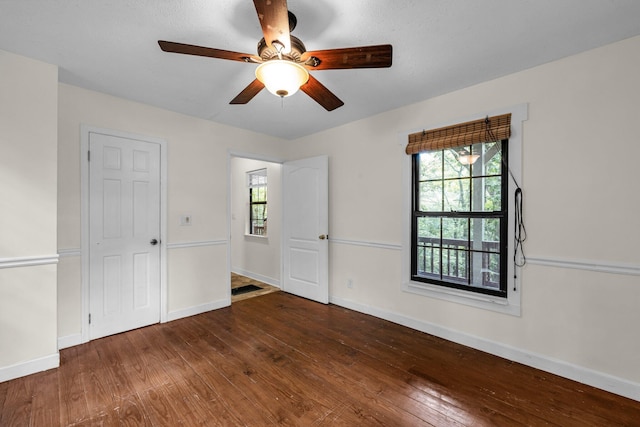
[264, 158]
[85, 131]
[251, 156]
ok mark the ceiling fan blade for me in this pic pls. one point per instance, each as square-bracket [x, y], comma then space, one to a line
[248, 93]
[274, 19]
[321, 94]
[210, 52]
[378, 56]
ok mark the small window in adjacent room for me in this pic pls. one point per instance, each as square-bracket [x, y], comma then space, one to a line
[459, 223]
[257, 183]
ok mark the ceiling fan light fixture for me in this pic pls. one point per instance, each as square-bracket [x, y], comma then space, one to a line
[282, 77]
[467, 158]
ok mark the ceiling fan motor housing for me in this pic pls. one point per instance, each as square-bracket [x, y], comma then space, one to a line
[267, 53]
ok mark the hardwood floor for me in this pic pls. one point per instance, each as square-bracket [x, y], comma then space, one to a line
[283, 360]
[238, 281]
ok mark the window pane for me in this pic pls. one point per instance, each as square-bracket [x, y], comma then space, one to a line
[259, 194]
[456, 195]
[259, 212]
[455, 246]
[485, 268]
[428, 253]
[485, 234]
[429, 228]
[490, 233]
[430, 196]
[492, 159]
[430, 165]
[486, 194]
[452, 167]
[485, 252]
[455, 229]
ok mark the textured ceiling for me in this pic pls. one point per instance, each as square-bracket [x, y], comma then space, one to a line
[439, 46]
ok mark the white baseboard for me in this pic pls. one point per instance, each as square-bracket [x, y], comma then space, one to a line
[69, 341]
[23, 369]
[199, 309]
[564, 369]
[259, 277]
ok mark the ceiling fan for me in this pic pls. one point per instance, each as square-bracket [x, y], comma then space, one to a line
[284, 62]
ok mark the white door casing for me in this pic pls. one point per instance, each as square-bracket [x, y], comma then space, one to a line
[305, 258]
[124, 221]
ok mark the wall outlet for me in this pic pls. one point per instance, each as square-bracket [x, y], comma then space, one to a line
[350, 283]
[185, 220]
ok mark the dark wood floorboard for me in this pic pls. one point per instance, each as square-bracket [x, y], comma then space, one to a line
[281, 360]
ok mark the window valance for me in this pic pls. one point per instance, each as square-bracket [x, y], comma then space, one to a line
[489, 129]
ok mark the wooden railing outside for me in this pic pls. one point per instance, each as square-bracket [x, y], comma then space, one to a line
[448, 260]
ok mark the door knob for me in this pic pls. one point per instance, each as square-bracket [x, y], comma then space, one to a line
[154, 242]
[323, 236]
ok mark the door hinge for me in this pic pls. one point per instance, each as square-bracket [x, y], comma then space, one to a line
[89, 318]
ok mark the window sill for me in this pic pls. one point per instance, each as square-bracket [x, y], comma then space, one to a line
[486, 302]
[256, 236]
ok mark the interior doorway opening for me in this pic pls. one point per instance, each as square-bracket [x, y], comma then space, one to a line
[255, 204]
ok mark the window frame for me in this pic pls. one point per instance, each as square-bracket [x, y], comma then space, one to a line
[251, 230]
[511, 305]
[502, 214]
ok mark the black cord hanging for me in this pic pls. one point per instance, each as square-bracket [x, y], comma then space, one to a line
[520, 232]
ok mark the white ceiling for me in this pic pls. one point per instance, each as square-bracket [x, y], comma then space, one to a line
[439, 46]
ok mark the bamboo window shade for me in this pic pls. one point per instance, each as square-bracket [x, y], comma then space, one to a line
[489, 129]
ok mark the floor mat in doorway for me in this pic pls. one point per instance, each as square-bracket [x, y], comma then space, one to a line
[245, 289]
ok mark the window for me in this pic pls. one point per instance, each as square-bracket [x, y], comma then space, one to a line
[459, 218]
[506, 125]
[257, 183]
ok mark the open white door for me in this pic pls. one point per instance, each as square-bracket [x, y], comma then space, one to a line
[306, 228]
[124, 234]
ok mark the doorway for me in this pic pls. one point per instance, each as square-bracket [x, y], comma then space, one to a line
[255, 230]
[299, 244]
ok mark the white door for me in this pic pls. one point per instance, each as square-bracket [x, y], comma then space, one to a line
[306, 228]
[124, 234]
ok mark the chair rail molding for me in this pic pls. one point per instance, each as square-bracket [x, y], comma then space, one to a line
[28, 261]
[588, 265]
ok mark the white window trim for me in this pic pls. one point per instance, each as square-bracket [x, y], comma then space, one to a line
[249, 175]
[257, 172]
[512, 303]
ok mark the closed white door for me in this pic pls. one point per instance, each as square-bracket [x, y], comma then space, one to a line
[306, 228]
[124, 234]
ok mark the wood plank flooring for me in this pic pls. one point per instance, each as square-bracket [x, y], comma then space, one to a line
[237, 281]
[282, 360]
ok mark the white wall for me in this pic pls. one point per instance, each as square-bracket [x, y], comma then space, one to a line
[198, 272]
[257, 257]
[581, 288]
[28, 198]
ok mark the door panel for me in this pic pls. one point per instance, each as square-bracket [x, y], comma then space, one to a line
[124, 217]
[306, 253]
